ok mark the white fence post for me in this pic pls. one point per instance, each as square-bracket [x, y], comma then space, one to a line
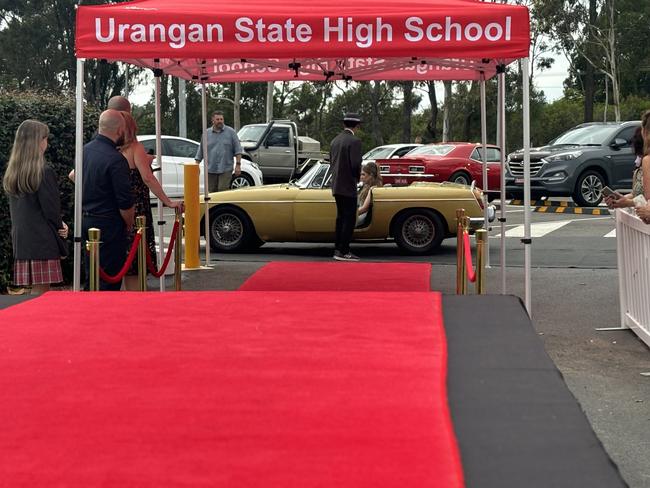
[633, 255]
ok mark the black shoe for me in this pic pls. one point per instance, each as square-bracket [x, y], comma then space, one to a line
[347, 257]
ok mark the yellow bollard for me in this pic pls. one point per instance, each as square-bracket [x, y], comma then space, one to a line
[94, 236]
[481, 241]
[141, 228]
[178, 251]
[192, 214]
[461, 277]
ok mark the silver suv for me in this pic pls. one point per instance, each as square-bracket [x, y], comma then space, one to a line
[578, 163]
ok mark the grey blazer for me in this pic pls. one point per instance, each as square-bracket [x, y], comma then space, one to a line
[35, 218]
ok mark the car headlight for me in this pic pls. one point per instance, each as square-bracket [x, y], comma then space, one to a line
[565, 156]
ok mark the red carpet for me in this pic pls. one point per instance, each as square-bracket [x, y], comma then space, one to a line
[340, 276]
[225, 389]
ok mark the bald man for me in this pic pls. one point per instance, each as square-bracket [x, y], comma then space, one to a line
[119, 103]
[107, 195]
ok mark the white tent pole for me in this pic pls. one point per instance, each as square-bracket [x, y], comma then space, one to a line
[161, 218]
[206, 193]
[486, 222]
[182, 108]
[78, 171]
[502, 144]
[525, 64]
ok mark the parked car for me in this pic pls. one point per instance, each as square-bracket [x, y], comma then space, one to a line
[578, 163]
[418, 217]
[278, 149]
[459, 162]
[388, 151]
[177, 151]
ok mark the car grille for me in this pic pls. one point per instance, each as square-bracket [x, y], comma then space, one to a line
[516, 168]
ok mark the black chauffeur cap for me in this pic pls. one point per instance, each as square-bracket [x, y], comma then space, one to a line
[352, 117]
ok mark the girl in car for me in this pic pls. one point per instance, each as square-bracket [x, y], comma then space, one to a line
[370, 178]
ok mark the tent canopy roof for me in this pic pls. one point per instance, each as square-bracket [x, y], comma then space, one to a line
[257, 40]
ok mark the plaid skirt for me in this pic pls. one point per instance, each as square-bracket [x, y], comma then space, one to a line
[29, 272]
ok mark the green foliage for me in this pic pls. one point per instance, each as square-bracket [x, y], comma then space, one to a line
[59, 114]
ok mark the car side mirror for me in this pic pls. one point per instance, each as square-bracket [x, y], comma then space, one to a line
[618, 142]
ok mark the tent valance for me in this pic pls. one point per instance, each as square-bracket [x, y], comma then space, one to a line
[258, 40]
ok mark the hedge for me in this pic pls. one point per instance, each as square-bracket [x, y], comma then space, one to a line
[58, 112]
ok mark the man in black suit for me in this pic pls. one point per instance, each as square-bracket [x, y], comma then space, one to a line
[345, 159]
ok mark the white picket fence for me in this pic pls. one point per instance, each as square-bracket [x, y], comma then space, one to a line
[633, 253]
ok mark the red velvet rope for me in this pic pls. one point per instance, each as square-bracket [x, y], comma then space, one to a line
[150, 265]
[129, 260]
[471, 274]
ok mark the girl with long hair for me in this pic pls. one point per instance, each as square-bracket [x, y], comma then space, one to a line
[142, 180]
[370, 178]
[37, 231]
[644, 211]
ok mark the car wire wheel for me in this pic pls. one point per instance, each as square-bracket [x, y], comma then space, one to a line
[228, 230]
[418, 231]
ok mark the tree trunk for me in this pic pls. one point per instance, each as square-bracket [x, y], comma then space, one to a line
[407, 110]
[589, 83]
[446, 112]
[432, 124]
[375, 123]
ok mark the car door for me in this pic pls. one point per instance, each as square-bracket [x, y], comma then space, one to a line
[182, 152]
[276, 155]
[169, 171]
[622, 159]
[315, 208]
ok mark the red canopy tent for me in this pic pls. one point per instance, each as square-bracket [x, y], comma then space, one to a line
[258, 40]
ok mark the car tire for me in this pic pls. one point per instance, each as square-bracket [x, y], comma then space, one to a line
[589, 189]
[241, 181]
[230, 230]
[419, 231]
[461, 178]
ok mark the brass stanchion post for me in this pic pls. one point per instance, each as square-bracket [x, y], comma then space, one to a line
[481, 241]
[460, 254]
[94, 236]
[141, 228]
[178, 250]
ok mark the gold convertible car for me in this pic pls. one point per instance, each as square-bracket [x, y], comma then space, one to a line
[417, 217]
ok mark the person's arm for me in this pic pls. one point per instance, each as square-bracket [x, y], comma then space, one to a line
[199, 152]
[645, 164]
[49, 199]
[143, 163]
[71, 176]
[237, 150]
[355, 158]
[366, 203]
[121, 181]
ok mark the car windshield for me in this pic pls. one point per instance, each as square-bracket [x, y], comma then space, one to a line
[251, 133]
[315, 177]
[432, 150]
[584, 136]
[381, 152]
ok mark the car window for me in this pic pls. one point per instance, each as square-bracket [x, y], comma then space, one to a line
[432, 150]
[591, 134]
[251, 133]
[320, 177]
[402, 151]
[381, 152]
[278, 137]
[627, 134]
[182, 149]
[493, 154]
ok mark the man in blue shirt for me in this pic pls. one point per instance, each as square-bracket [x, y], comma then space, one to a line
[223, 146]
[107, 195]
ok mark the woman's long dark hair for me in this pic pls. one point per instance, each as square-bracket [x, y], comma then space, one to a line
[372, 170]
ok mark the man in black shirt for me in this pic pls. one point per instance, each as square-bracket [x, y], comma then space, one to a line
[345, 159]
[107, 195]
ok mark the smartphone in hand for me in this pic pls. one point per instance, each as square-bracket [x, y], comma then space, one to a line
[614, 195]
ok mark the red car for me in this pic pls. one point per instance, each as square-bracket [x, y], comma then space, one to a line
[459, 162]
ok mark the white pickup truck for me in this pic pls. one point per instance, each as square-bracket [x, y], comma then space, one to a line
[278, 149]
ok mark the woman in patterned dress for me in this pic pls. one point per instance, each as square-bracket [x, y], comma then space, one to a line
[35, 207]
[142, 181]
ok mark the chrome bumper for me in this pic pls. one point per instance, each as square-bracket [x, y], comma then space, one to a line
[476, 223]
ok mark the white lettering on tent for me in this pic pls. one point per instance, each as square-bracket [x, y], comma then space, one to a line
[111, 30]
[363, 34]
[249, 30]
[212, 28]
[195, 33]
[416, 31]
[161, 32]
[177, 36]
[138, 33]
